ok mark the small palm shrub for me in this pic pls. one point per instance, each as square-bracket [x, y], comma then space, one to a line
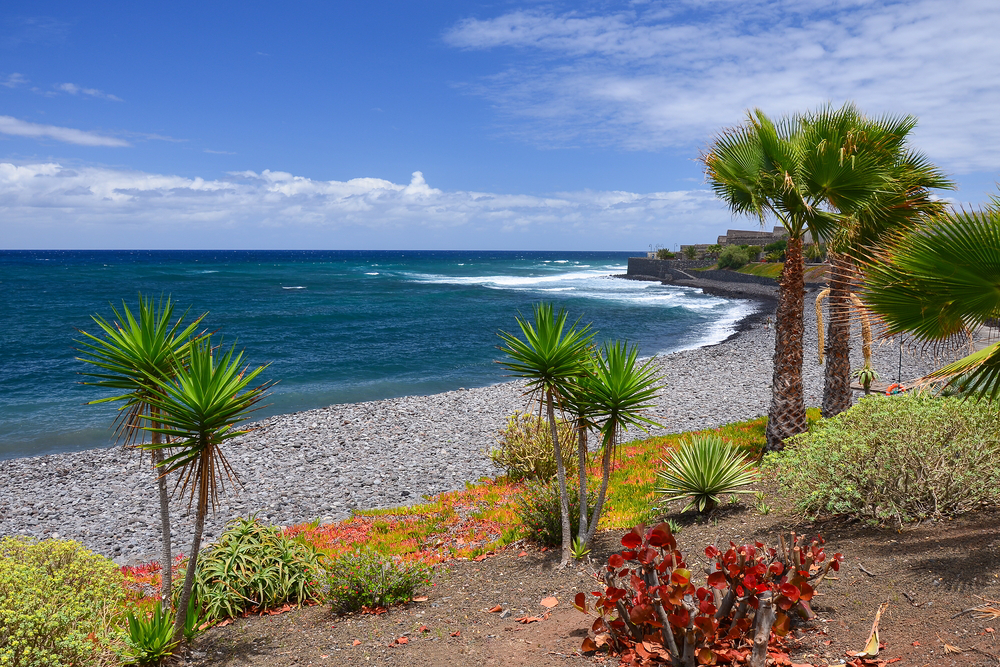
[541, 517]
[58, 602]
[526, 451]
[901, 458]
[733, 257]
[254, 566]
[150, 638]
[663, 253]
[701, 470]
[368, 579]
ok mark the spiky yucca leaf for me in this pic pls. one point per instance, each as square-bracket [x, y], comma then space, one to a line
[702, 469]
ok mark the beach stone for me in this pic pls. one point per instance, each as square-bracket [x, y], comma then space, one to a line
[324, 463]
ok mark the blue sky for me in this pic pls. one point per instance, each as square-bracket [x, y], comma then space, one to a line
[506, 125]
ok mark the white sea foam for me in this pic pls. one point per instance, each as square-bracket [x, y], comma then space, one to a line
[294, 287]
[372, 273]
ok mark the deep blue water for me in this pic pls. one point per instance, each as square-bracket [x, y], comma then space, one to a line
[336, 326]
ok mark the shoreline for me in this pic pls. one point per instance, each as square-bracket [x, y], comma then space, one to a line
[325, 462]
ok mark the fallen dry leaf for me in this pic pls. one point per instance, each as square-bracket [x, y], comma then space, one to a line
[423, 628]
[457, 633]
[420, 598]
[549, 602]
[403, 640]
[522, 554]
[528, 619]
[357, 642]
[494, 610]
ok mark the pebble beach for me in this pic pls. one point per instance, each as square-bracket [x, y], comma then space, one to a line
[324, 463]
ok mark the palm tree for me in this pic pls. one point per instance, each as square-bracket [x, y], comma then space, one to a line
[613, 397]
[551, 357]
[199, 409]
[134, 356]
[942, 281]
[904, 202]
[794, 171]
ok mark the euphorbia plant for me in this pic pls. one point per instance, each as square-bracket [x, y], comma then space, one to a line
[650, 609]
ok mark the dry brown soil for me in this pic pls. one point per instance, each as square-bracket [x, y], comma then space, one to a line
[928, 574]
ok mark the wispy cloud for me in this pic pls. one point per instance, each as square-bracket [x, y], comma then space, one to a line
[211, 152]
[13, 80]
[21, 128]
[92, 206]
[74, 89]
[654, 75]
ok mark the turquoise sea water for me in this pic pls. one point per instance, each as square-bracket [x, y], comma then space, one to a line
[336, 326]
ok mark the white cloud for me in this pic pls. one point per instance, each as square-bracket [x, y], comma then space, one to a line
[22, 128]
[13, 80]
[657, 75]
[74, 89]
[49, 205]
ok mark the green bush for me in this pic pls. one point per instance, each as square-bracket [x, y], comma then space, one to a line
[777, 246]
[733, 257]
[663, 253]
[540, 514]
[53, 595]
[526, 451]
[366, 578]
[703, 469]
[901, 458]
[253, 565]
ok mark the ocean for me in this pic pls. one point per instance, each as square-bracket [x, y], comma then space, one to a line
[335, 326]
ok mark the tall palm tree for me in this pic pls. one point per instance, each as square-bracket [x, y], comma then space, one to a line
[942, 281]
[793, 171]
[613, 397]
[199, 409]
[551, 357]
[903, 202]
[137, 353]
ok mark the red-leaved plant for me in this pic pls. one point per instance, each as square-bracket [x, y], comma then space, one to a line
[650, 611]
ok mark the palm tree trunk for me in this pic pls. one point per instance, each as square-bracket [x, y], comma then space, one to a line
[787, 415]
[192, 566]
[567, 531]
[599, 505]
[837, 395]
[581, 429]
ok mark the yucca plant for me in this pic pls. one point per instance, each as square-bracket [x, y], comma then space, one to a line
[550, 357]
[150, 638]
[198, 412]
[701, 470]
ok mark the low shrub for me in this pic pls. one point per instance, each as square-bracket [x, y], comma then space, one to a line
[733, 257]
[650, 606]
[703, 469]
[526, 451]
[901, 458]
[368, 579]
[663, 253]
[254, 566]
[58, 602]
[541, 516]
[778, 246]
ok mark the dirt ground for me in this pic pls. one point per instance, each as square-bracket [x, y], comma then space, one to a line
[929, 574]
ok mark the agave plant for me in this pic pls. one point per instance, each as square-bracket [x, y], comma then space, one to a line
[701, 470]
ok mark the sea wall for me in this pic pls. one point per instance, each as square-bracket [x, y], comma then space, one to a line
[664, 269]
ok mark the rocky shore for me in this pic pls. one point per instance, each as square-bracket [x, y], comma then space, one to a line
[323, 463]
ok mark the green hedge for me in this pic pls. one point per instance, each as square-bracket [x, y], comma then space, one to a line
[900, 458]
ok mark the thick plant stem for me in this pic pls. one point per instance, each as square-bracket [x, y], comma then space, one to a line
[581, 429]
[787, 414]
[595, 518]
[192, 566]
[762, 633]
[166, 570]
[837, 396]
[567, 531]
